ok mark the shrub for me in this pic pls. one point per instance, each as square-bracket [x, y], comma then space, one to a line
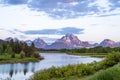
[13, 55]
[108, 74]
[22, 54]
[65, 71]
[110, 60]
[36, 55]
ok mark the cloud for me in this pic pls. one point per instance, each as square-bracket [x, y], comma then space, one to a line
[115, 4]
[14, 2]
[65, 9]
[105, 15]
[22, 36]
[74, 8]
[61, 31]
[2, 29]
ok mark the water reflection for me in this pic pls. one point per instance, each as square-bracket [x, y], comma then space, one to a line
[22, 71]
[17, 68]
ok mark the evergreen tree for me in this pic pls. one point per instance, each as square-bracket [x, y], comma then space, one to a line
[32, 47]
[17, 48]
[8, 50]
[4, 45]
[1, 50]
[26, 49]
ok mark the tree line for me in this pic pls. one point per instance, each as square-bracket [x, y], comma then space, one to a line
[18, 47]
[98, 49]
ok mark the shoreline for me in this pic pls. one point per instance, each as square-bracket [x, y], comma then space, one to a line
[81, 71]
[6, 60]
[79, 54]
[22, 61]
[89, 54]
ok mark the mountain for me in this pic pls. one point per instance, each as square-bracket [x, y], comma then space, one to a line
[86, 44]
[108, 43]
[29, 42]
[95, 44]
[10, 38]
[69, 41]
[2, 41]
[118, 43]
[39, 43]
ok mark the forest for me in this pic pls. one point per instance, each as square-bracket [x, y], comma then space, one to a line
[17, 51]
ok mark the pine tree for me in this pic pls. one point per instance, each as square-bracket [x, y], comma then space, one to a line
[8, 50]
[1, 50]
[26, 49]
[4, 45]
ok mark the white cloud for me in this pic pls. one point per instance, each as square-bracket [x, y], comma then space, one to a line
[103, 5]
[20, 17]
[74, 3]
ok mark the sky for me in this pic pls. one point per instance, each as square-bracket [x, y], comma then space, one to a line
[90, 20]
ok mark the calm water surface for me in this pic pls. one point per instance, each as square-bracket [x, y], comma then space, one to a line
[22, 71]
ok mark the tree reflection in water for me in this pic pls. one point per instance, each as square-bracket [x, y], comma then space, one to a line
[25, 68]
[21, 71]
[14, 69]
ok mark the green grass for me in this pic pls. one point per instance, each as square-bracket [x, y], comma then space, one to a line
[64, 72]
[7, 59]
[112, 73]
[83, 71]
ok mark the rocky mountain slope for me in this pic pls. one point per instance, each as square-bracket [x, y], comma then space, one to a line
[69, 41]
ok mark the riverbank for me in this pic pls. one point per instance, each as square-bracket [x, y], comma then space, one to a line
[112, 73]
[89, 54]
[79, 54]
[5, 59]
[80, 71]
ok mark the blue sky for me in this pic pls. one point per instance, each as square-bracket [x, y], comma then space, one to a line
[90, 20]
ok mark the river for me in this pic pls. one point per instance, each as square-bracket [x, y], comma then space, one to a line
[22, 71]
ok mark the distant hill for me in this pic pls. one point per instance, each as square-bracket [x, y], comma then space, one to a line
[108, 43]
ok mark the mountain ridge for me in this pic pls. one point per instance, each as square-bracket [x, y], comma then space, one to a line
[69, 41]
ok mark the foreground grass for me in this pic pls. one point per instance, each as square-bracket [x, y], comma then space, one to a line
[112, 73]
[62, 73]
[4, 59]
[80, 71]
